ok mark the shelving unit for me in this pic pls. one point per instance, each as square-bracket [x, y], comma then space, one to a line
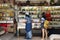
[6, 15]
[37, 10]
[21, 17]
[55, 14]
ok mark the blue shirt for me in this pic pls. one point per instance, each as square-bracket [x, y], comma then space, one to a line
[28, 19]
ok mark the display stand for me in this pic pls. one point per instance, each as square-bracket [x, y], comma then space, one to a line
[35, 11]
[6, 17]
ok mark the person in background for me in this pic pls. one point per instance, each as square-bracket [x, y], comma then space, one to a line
[45, 3]
[46, 23]
[15, 27]
[48, 15]
[43, 18]
[28, 27]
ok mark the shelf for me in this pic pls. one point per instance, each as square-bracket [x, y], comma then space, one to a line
[28, 11]
[10, 22]
[2, 21]
[22, 20]
[21, 15]
[6, 21]
[36, 20]
[54, 25]
[40, 8]
[55, 14]
[7, 15]
[55, 21]
[22, 25]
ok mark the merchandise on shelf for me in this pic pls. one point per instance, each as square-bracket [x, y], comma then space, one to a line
[29, 8]
[6, 16]
[37, 10]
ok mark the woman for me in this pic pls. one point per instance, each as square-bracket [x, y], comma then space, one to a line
[44, 25]
[15, 27]
[28, 26]
[48, 15]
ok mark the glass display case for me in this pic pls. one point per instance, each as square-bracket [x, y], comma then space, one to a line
[6, 16]
[34, 11]
[37, 10]
[55, 14]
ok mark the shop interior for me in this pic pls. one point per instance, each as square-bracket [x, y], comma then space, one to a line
[12, 16]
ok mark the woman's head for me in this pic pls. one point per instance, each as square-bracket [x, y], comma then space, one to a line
[43, 15]
[27, 14]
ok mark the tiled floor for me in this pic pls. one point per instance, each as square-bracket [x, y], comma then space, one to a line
[10, 36]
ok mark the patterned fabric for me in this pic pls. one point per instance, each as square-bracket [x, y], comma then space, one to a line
[28, 24]
[29, 34]
[28, 19]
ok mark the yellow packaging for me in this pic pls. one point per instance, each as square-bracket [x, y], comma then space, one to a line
[46, 24]
[0, 14]
[11, 14]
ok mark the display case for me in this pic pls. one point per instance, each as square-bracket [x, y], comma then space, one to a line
[6, 15]
[37, 10]
[55, 14]
[34, 11]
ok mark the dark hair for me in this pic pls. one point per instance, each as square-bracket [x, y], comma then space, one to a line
[43, 15]
[15, 21]
[28, 15]
[28, 2]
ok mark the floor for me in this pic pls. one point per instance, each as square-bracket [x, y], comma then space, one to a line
[10, 36]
